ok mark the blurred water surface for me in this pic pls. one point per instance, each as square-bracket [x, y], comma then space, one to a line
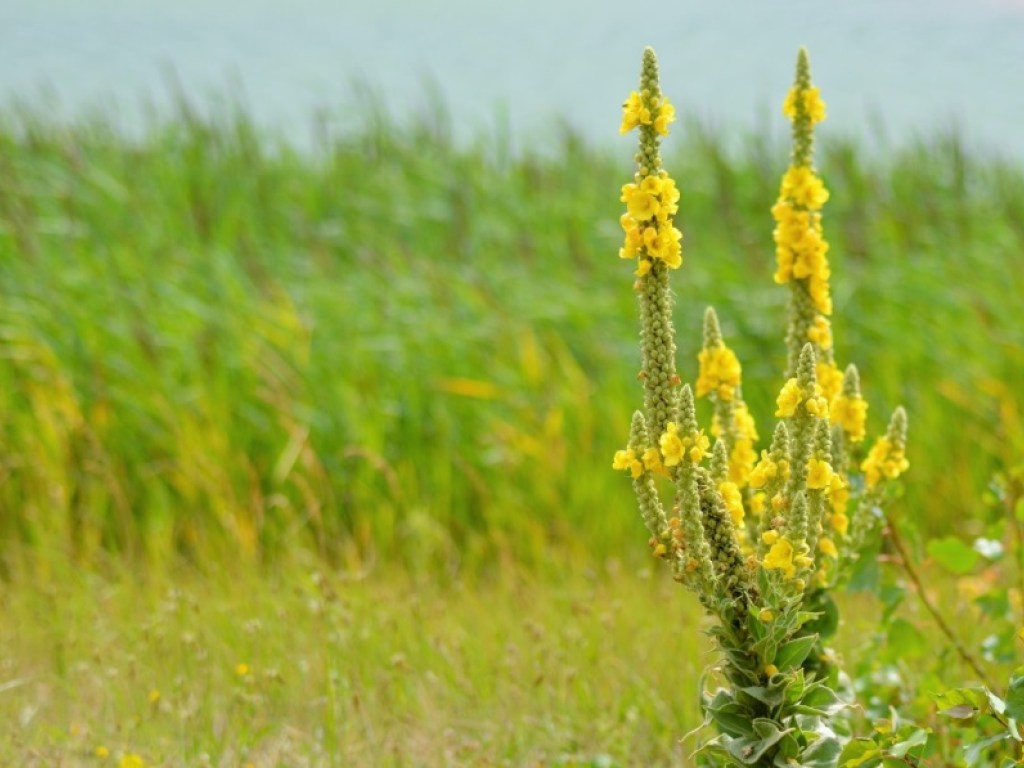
[912, 66]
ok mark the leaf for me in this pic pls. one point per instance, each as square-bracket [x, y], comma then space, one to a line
[860, 753]
[960, 712]
[729, 717]
[953, 555]
[918, 739]
[793, 653]
[822, 753]
[1015, 697]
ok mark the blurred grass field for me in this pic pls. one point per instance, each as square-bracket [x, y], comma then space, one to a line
[226, 364]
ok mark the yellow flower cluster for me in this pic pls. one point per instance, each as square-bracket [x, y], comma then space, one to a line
[800, 249]
[720, 372]
[767, 470]
[839, 495]
[783, 555]
[820, 333]
[675, 447]
[851, 414]
[830, 378]
[647, 222]
[884, 460]
[627, 460]
[733, 502]
[742, 457]
[638, 111]
[814, 105]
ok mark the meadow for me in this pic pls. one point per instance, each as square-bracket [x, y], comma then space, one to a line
[305, 454]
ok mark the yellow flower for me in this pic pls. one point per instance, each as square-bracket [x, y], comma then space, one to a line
[840, 522]
[634, 113]
[780, 557]
[827, 547]
[101, 752]
[671, 445]
[819, 474]
[817, 406]
[131, 760]
[627, 460]
[771, 670]
[652, 460]
[765, 470]
[821, 333]
[830, 378]
[666, 115]
[883, 460]
[766, 614]
[643, 268]
[154, 696]
[804, 188]
[789, 398]
[741, 461]
[757, 503]
[640, 204]
[778, 502]
[770, 536]
[812, 102]
[851, 414]
[720, 372]
[242, 669]
[733, 501]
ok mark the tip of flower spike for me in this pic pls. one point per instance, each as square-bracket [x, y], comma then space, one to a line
[897, 431]
[712, 329]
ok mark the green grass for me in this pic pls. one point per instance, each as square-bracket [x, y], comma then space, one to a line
[346, 671]
[392, 346]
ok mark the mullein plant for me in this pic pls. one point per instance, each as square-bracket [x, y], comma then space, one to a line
[760, 537]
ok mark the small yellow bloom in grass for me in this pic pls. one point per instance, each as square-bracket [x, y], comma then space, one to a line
[851, 414]
[154, 696]
[101, 752]
[819, 474]
[733, 501]
[242, 669]
[131, 760]
[771, 670]
[828, 547]
[627, 460]
[780, 557]
[789, 398]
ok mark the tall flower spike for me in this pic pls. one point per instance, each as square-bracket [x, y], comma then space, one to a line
[721, 536]
[694, 564]
[650, 236]
[849, 410]
[646, 492]
[809, 404]
[800, 246]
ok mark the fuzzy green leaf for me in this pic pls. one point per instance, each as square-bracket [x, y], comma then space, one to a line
[1015, 696]
[793, 653]
[860, 753]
